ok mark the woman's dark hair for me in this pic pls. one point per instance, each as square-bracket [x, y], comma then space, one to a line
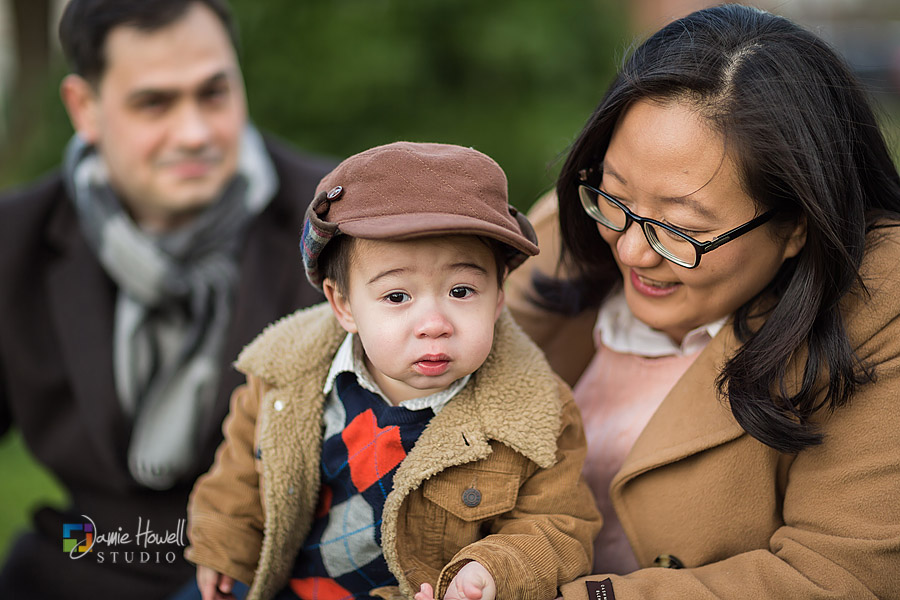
[85, 25]
[806, 142]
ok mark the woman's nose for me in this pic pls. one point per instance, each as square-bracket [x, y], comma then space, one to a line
[633, 248]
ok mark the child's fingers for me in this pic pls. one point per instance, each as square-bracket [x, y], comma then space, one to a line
[472, 590]
[426, 592]
[206, 582]
[474, 582]
[225, 584]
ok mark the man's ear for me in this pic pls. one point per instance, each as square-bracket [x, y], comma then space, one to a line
[81, 102]
[340, 306]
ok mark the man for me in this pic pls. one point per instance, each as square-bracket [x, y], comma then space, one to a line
[128, 282]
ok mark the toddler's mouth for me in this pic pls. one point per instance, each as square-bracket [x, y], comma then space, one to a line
[432, 364]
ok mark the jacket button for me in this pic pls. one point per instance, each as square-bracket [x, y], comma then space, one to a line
[668, 561]
[334, 193]
[278, 405]
[471, 497]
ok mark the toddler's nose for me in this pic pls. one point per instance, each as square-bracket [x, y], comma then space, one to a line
[433, 324]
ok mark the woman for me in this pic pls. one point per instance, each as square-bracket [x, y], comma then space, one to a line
[728, 224]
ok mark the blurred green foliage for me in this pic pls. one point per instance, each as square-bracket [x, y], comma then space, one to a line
[24, 483]
[515, 79]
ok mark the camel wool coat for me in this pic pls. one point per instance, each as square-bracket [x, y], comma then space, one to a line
[513, 432]
[744, 520]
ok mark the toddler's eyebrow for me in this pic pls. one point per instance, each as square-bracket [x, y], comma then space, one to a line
[387, 273]
[460, 266]
[464, 266]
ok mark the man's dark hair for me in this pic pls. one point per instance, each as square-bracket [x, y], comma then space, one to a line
[85, 25]
[806, 143]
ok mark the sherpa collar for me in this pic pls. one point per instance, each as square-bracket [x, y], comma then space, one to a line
[514, 397]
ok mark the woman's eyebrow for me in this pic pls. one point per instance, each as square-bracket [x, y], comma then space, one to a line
[688, 201]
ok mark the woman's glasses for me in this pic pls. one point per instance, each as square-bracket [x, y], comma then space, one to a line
[668, 242]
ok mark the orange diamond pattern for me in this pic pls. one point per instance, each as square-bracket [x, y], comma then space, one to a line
[319, 588]
[372, 450]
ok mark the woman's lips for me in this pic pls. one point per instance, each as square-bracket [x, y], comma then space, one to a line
[432, 365]
[652, 287]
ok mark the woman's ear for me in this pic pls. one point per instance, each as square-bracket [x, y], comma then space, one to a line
[796, 239]
[340, 306]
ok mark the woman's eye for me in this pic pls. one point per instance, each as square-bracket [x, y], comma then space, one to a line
[461, 292]
[685, 231]
[397, 297]
[673, 236]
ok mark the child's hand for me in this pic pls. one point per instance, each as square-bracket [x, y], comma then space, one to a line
[426, 592]
[473, 582]
[213, 585]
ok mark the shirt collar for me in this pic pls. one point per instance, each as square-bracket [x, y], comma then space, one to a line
[349, 359]
[619, 330]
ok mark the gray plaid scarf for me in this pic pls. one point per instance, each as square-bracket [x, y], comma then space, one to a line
[174, 303]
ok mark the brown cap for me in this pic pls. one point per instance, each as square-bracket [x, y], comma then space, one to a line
[406, 190]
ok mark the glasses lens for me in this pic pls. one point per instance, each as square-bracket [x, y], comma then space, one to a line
[671, 245]
[601, 209]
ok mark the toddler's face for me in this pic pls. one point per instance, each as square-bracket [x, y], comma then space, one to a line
[424, 310]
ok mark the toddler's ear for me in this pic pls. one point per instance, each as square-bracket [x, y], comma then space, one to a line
[340, 306]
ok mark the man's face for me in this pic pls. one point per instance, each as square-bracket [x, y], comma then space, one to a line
[166, 116]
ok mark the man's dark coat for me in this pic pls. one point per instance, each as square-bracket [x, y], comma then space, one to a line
[56, 384]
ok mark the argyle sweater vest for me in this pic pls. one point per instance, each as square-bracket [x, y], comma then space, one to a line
[366, 440]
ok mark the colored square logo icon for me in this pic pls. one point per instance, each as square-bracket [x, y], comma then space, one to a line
[78, 537]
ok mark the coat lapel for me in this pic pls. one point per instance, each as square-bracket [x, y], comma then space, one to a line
[292, 356]
[514, 377]
[691, 419]
[82, 304]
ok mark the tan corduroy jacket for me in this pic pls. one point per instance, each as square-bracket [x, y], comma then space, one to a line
[513, 433]
[746, 521]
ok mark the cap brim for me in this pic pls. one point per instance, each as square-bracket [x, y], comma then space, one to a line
[403, 227]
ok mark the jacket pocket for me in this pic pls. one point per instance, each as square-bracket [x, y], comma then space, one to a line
[472, 494]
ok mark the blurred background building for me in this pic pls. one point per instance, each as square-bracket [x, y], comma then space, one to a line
[516, 79]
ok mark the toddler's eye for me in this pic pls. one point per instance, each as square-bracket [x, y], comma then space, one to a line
[461, 292]
[397, 297]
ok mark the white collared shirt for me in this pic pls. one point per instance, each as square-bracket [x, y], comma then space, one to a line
[349, 359]
[621, 331]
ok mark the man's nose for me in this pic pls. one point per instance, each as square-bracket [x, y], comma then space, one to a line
[192, 128]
